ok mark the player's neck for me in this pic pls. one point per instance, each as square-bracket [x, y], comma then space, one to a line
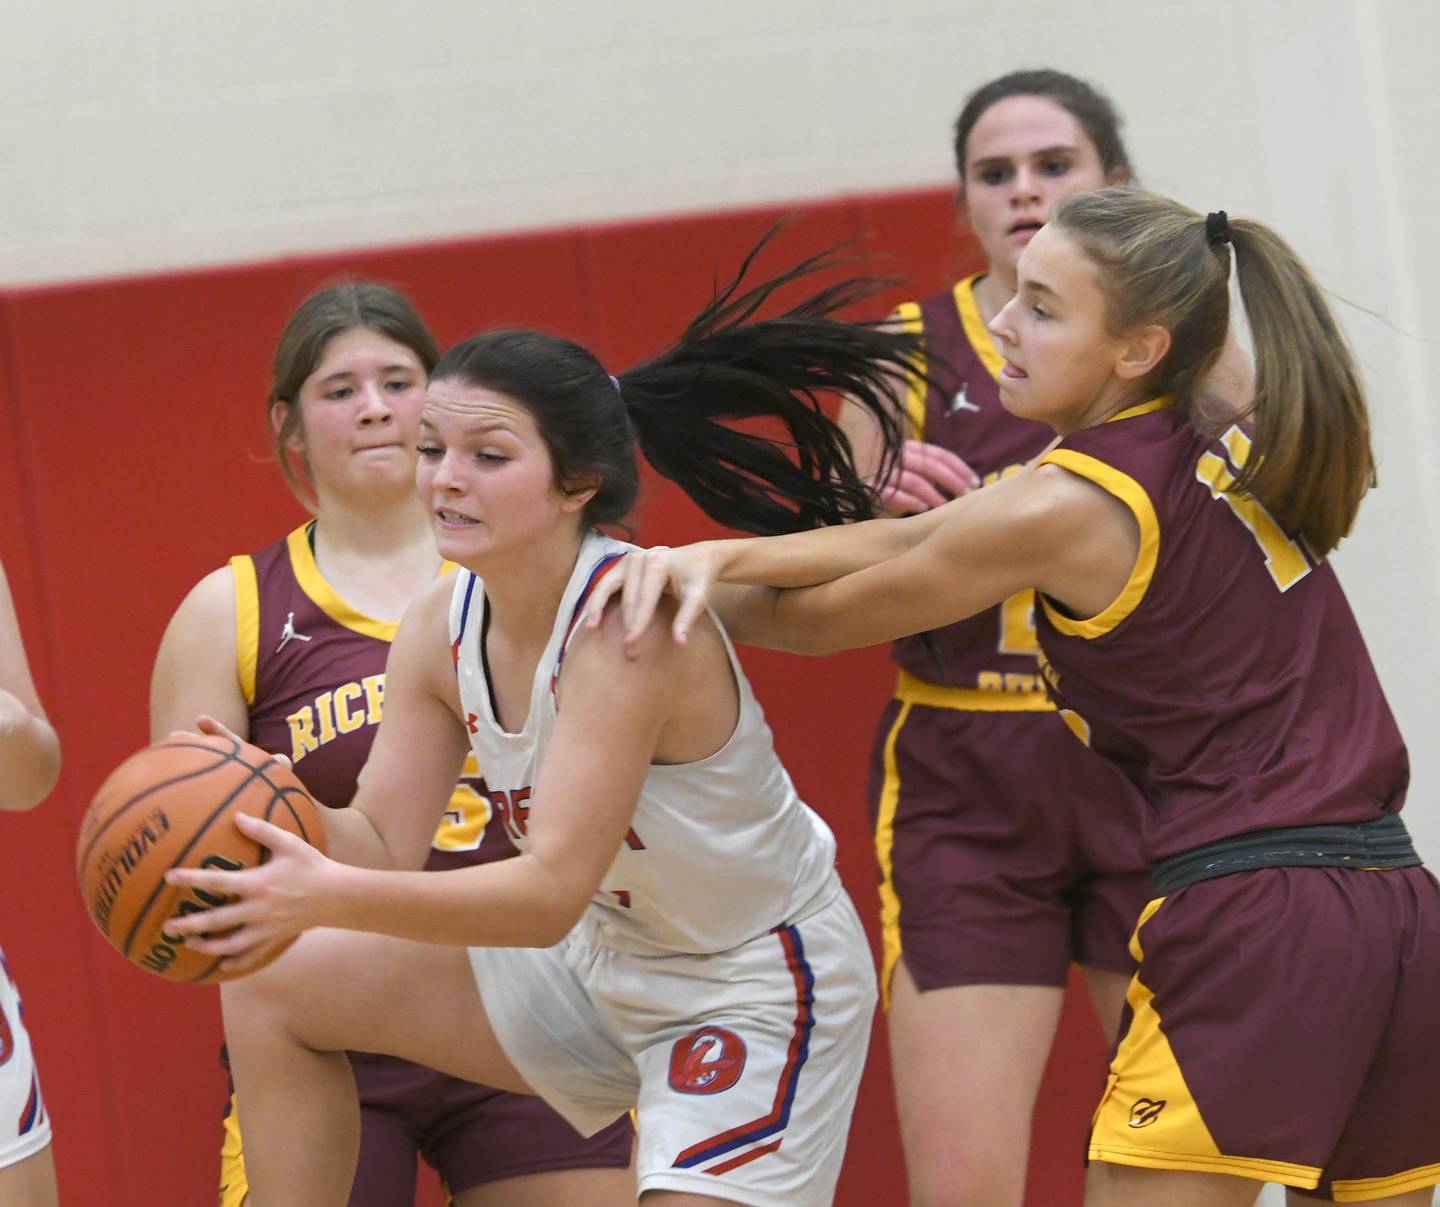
[523, 595]
[375, 529]
[377, 560]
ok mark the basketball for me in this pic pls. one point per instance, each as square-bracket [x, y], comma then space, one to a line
[173, 805]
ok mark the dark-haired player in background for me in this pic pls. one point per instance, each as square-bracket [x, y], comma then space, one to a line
[1007, 850]
[288, 647]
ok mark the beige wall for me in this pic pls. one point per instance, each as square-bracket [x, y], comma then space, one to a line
[143, 134]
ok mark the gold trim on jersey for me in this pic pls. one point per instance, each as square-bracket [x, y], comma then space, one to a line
[1363, 1190]
[885, 856]
[1147, 1115]
[1144, 408]
[911, 689]
[247, 624]
[324, 596]
[1133, 495]
[327, 599]
[234, 1185]
[912, 322]
[975, 330]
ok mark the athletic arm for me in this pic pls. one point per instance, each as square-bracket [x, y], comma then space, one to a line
[29, 747]
[614, 710]
[1042, 528]
[197, 666]
[752, 568]
[582, 803]
[197, 675]
[419, 749]
[839, 588]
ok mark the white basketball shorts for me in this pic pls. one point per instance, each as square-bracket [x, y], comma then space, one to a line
[24, 1122]
[742, 1065]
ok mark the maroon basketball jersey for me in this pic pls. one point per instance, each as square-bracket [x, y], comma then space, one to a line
[987, 661]
[312, 670]
[1229, 680]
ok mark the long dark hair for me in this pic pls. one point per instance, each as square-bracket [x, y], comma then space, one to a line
[1311, 461]
[679, 407]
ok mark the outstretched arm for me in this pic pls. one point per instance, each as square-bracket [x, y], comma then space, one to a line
[1043, 528]
[839, 588]
[29, 749]
[737, 576]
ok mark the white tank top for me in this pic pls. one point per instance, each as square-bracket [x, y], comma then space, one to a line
[719, 851]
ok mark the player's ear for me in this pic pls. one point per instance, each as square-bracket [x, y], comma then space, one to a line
[1141, 352]
[576, 493]
[279, 413]
[962, 211]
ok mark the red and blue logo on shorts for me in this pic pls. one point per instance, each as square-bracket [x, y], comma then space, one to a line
[707, 1061]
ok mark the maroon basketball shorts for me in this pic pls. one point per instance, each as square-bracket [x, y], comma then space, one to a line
[469, 1134]
[1281, 1026]
[1007, 849]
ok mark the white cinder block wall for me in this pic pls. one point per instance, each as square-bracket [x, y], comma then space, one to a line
[146, 134]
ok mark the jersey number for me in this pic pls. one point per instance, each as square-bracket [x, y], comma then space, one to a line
[1017, 624]
[1284, 558]
[463, 825]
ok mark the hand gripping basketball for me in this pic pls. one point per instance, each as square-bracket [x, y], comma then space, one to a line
[207, 806]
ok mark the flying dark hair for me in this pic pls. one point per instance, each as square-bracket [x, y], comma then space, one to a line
[679, 407]
[1083, 101]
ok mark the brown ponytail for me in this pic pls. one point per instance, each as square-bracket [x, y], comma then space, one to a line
[1311, 462]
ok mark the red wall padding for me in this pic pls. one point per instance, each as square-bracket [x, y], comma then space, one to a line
[133, 460]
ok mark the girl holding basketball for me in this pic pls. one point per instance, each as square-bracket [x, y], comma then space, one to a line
[673, 937]
[1280, 1022]
[29, 767]
[287, 647]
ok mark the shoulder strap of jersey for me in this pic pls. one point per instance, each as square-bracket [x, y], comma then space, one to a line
[967, 309]
[460, 605]
[911, 321]
[600, 569]
[247, 624]
[1116, 482]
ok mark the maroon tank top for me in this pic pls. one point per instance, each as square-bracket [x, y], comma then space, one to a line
[988, 661]
[1229, 680]
[312, 670]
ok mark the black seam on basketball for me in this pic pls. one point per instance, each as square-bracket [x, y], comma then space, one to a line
[283, 797]
[254, 774]
[225, 756]
[145, 795]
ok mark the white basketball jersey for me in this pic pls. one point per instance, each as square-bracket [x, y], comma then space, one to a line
[719, 851]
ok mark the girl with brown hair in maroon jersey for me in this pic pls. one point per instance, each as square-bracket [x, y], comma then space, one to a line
[288, 648]
[1280, 1024]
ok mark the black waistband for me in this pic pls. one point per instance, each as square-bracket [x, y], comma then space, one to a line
[1382, 843]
